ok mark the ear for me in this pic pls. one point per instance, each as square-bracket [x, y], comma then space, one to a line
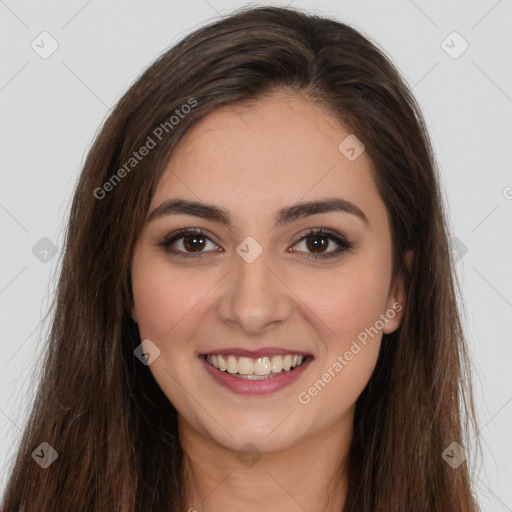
[134, 315]
[396, 299]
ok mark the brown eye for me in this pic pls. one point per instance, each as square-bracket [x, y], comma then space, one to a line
[194, 242]
[187, 243]
[318, 241]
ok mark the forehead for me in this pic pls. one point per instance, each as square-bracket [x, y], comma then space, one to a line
[277, 150]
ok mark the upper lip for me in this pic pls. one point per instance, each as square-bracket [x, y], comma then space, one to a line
[261, 352]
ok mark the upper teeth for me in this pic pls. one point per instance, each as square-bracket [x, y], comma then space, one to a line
[260, 366]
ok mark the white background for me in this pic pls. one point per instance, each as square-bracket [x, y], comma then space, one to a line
[51, 108]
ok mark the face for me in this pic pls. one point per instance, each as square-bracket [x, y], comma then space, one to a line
[261, 276]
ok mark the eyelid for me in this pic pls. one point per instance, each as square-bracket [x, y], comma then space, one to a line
[171, 238]
[332, 235]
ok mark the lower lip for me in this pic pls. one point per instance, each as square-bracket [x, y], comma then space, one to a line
[255, 387]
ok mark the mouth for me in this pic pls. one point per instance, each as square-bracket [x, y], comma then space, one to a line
[260, 368]
[260, 372]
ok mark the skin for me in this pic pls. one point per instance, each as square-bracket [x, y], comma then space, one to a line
[254, 160]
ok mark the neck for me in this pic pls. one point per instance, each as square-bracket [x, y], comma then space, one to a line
[307, 475]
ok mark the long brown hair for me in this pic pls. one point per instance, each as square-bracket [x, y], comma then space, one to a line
[113, 428]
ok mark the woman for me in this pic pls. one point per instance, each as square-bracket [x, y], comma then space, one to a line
[256, 306]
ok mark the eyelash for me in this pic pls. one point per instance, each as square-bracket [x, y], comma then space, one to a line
[343, 244]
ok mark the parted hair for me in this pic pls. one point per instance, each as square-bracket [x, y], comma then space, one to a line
[101, 409]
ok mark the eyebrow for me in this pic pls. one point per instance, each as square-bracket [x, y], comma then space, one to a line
[284, 216]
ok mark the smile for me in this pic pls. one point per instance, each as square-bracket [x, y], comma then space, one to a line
[261, 368]
[261, 375]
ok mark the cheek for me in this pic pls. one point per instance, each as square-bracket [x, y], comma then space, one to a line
[169, 305]
[165, 300]
[350, 305]
[349, 300]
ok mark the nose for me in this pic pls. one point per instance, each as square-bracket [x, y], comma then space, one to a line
[255, 297]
